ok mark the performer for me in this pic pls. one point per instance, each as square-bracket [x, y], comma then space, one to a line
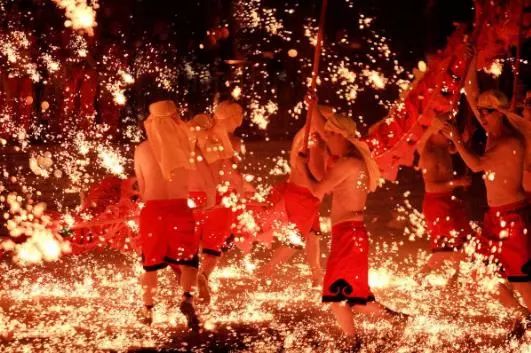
[446, 218]
[81, 80]
[215, 141]
[302, 210]
[213, 220]
[17, 81]
[166, 222]
[505, 235]
[351, 175]
[523, 125]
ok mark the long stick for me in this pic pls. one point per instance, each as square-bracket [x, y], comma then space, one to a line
[315, 72]
[516, 72]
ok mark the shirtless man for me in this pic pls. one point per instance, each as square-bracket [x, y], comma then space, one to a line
[166, 222]
[351, 175]
[523, 125]
[446, 218]
[302, 209]
[214, 224]
[505, 235]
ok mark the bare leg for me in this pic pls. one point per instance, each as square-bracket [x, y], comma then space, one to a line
[188, 283]
[344, 317]
[281, 255]
[148, 281]
[188, 278]
[313, 256]
[524, 289]
[438, 260]
[208, 263]
[177, 271]
[506, 296]
[373, 307]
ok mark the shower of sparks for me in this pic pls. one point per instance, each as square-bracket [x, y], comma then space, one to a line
[89, 302]
[80, 14]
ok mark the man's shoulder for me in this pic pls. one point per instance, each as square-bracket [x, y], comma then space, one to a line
[141, 147]
[511, 141]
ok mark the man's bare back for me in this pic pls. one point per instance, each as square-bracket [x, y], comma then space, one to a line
[152, 184]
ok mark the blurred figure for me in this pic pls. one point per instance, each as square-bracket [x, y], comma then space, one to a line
[114, 76]
[18, 73]
[162, 164]
[505, 235]
[523, 125]
[446, 218]
[81, 80]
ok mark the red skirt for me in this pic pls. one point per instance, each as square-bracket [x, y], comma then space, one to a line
[213, 227]
[347, 268]
[167, 234]
[302, 207]
[505, 238]
[447, 221]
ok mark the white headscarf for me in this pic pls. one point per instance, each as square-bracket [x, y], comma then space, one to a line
[169, 138]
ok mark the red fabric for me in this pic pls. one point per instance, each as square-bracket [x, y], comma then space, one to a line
[446, 220]
[112, 204]
[17, 90]
[102, 195]
[347, 268]
[109, 112]
[302, 207]
[506, 236]
[500, 29]
[79, 97]
[393, 140]
[167, 233]
[199, 198]
[244, 237]
[213, 227]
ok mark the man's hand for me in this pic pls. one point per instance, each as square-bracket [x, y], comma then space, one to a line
[451, 132]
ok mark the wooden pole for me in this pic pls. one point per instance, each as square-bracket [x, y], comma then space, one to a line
[516, 67]
[315, 72]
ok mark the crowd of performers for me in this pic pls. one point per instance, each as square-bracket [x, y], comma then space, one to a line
[188, 178]
[187, 170]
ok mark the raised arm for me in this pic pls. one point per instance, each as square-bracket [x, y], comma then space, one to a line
[138, 173]
[338, 173]
[475, 162]
[472, 88]
[518, 122]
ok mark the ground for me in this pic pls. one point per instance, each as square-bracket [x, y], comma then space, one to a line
[89, 302]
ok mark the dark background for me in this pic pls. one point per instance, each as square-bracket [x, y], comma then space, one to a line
[177, 30]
